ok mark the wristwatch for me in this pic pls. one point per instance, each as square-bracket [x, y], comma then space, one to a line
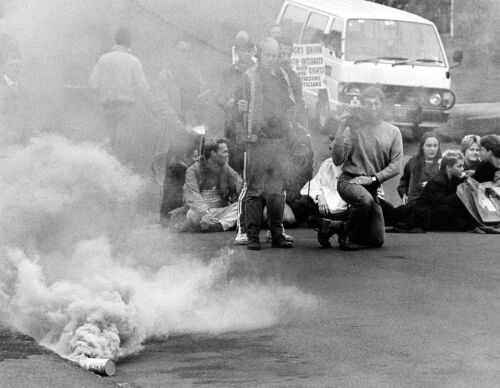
[374, 179]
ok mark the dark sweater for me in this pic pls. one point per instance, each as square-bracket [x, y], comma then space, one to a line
[485, 172]
[410, 182]
[439, 191]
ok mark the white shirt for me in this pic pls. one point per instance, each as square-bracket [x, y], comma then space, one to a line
[325, 183]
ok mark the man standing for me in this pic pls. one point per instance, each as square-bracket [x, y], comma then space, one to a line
[210, 184]
[13, 107]
[267, 96]
[119, 78]
[370, 154]
[244, 50]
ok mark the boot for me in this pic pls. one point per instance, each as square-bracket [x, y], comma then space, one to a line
[281, 242]
[253, 244]
[327, 229]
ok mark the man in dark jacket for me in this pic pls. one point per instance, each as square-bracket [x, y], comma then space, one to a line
[267, 96]
[490, 159]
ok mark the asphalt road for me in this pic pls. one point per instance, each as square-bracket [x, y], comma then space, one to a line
[421, 311]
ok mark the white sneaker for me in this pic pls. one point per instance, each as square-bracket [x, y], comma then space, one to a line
[269, 237]
[241, 239]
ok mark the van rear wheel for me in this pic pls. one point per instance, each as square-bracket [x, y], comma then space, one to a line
[322, 117]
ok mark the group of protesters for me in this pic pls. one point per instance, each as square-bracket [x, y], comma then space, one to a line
[259, 175]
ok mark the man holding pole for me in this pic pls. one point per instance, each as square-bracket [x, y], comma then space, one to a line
[266, 99]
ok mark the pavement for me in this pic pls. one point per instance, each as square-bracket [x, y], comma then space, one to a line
[421, 311]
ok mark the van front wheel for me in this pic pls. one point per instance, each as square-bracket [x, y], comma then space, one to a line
[322, 116]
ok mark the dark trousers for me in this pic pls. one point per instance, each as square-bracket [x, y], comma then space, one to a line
[304, 206]
[268, 168]
[172, 190]
[365, 222]
[446, 218]
[394, 215]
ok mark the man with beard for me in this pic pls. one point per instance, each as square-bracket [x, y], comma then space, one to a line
[369, 155]
[267, 96]
[210, 184]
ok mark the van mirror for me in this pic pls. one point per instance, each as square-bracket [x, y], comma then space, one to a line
[458, 56]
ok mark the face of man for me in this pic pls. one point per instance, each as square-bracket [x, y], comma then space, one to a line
[245, 55]
[285, 55]
[485, 155]
[221, 157]
[269, 54]
[275, 32]
[373, 109]
[457, 169]
[13, 68]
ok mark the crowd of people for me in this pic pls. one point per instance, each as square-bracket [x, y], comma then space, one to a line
[259, 175]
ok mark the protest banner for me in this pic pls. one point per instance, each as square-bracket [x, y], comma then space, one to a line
[308, 62]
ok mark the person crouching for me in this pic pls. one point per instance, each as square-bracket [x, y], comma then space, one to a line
[210, 185]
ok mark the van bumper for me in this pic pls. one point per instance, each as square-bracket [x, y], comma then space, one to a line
[416, 116]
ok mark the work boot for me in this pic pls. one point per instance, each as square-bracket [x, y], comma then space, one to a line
[345, 244]
[281, 242]
[253, 244]
[327, 229]
[269, 237]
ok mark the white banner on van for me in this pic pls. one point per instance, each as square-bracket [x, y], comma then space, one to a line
[308, 62]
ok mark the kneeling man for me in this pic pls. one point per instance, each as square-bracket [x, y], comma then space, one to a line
[210, 185]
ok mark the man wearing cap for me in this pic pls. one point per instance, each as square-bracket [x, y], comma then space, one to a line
[265, 99]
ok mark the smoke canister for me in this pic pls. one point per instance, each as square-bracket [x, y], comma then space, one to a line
[101, 366]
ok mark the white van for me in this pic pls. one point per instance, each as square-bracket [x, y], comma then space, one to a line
[370, 44]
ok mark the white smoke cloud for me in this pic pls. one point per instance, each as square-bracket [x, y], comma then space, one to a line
[69, 280]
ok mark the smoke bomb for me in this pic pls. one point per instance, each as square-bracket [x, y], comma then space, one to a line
[100, 366]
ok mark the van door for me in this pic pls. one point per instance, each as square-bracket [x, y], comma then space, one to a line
[317, 100]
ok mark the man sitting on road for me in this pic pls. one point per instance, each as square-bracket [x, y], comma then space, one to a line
[210, 185]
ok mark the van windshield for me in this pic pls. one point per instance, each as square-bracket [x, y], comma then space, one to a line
[373, 40]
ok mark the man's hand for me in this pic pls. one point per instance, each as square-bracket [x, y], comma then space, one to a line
[207, 220]
[322, 205]
[242, 106]
[405, 199]
[361, 180]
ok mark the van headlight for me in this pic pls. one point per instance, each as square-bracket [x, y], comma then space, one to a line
[448, 99]
[435, 99]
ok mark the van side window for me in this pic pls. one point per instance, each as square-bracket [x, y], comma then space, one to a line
[333, 40]
[292, 21]
[315, 28]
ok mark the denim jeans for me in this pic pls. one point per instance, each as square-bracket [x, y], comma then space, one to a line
[365, 223]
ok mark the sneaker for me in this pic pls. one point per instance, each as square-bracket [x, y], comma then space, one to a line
[281, 242]
[269, 237]
[241, 239]
[217, 227]
[327, 229]
[253, 244]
